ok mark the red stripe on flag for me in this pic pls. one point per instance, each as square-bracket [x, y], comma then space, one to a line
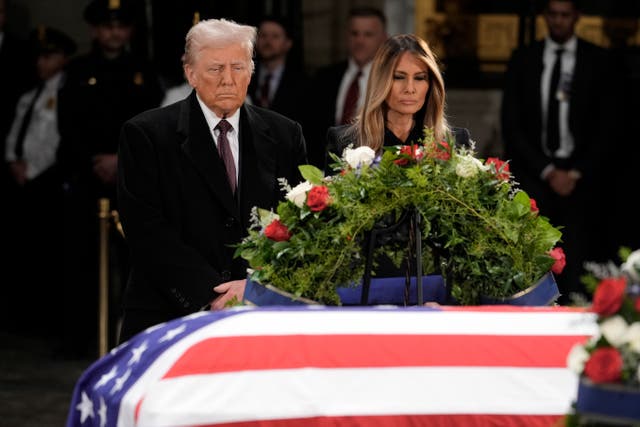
[229, 354]
[408, 420]
[514, 309]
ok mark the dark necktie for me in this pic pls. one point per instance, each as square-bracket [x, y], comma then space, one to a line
[553, 111]
[351, 100]
[224, 149]
[264, 91]
[24, 125]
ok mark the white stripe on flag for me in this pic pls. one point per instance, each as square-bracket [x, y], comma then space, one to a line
[261, 395]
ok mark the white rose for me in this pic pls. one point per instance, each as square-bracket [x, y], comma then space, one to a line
[632, 266]
[469, 166]
[614, 329]
[361, 156]
[633, 336]
[576, 358]
[298, 194]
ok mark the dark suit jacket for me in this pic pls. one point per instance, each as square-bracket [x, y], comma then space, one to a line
[522, 112]
[179, 215]
[290, 96]
[324, 89]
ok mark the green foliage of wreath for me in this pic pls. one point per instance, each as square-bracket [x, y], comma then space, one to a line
[488, 234]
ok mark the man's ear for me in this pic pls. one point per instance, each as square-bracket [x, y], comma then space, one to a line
[189, 74]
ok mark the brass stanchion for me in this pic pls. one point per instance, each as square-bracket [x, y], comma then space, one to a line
[104, 216]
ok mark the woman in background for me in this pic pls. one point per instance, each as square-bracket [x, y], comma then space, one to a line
[405, 93]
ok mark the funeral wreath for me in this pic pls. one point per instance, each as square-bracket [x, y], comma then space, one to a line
[478, 227]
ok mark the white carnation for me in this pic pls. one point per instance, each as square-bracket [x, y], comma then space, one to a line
[633, 336]
[298, 194]
[632, 266]
[576, 358]
[614, 329]
[361, 156]
[469, 166]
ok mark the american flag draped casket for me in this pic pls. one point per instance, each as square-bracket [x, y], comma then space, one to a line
[321, 366]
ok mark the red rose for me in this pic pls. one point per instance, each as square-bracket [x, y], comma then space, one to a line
[318, 198]
[277, 231]
[440, 151]
[561, 260]
[607, 299]
[502, 167]
[534, 206]
[604, 365]
[636, 304]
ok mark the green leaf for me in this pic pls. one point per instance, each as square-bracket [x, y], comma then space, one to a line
[311, 174]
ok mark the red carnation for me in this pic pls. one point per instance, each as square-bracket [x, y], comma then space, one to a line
[502, 167]
[318, 198]
[608, 296]
[440, 151]
[561, 260]
[604, 365]
[277, 231]
[409, 152]
[534, 205]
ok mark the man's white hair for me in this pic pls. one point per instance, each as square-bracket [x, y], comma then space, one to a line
[219, 33]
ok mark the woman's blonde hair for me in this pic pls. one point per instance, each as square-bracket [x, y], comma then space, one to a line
[368, 127]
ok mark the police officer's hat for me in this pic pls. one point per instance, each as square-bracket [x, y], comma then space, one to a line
[48, 40]
[104, 11]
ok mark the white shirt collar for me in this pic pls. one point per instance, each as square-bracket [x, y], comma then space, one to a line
[213, 120]
[569, 46]
[352, 68]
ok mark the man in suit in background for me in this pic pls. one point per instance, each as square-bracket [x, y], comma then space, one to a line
[278, 83]
[338, 89]
[554, 121]
[189, 175]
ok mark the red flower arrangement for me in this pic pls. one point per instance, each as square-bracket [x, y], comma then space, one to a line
[277, 231]
[609, 362]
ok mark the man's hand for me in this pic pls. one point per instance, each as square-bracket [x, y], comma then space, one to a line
[228, 291]
[105, 167]
[18, 170]
[562, 182]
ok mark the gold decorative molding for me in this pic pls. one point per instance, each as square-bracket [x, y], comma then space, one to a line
[489, 39]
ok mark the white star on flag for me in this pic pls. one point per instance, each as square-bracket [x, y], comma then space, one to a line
[137, 353]
[120, 382]
[106, 377]
[172, 333]
[102, 412]
[85, 407]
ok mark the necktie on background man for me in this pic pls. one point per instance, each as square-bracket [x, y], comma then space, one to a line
[351, 100]
[553, 119]
[224, 149]
[24, 125]
[264, 91]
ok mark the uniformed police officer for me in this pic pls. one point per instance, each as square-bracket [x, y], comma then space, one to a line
[104, 88]
[33, 199]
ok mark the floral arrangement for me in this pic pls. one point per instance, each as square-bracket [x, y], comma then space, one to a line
[480, 230]
[613, 355]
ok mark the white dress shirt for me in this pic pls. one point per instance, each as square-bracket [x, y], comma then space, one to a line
[232, 134]
[347, 78]
[568, 64]
[42, 138]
